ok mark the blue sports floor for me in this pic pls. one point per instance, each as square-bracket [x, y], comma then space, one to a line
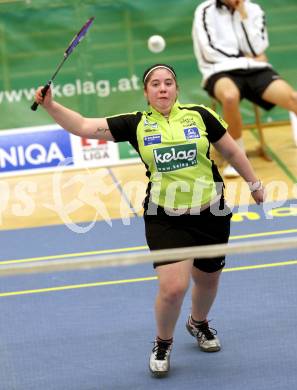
[92, 330]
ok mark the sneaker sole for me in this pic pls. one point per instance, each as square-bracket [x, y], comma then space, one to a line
[211, 349]
[159, 374]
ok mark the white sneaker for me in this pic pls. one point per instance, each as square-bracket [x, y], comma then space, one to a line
[206, 336]
[229, 171]
[160, 358]
[293, 119]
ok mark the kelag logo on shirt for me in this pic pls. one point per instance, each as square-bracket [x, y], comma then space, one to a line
[175, 157]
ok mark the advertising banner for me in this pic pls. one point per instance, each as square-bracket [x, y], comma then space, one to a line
[93, 152]
[33, 149]
[48, 148]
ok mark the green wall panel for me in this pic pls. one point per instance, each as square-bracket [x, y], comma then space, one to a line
[103, 75]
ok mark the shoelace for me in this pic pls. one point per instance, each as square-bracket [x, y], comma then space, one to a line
[205, 330]
[161, 349]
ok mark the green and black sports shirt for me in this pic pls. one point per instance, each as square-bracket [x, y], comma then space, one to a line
[175, 151]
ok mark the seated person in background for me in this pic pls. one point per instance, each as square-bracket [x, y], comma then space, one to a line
[230, 39]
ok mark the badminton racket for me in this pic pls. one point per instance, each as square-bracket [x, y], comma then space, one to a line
[72, 45]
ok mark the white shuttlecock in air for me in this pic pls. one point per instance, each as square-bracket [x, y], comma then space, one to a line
[156, 43]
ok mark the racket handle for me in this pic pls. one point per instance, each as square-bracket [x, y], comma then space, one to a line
[34, 106]
[43, 93]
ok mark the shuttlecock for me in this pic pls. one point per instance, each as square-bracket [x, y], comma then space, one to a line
[156, 43]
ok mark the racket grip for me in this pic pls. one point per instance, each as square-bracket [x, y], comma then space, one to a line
[34, 106]
[43, 93]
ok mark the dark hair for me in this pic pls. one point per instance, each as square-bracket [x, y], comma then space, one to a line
[151, 68]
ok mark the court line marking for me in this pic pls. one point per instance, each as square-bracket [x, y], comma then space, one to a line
[77, 254]
[121, 190]
[135, 280]
[133, 248]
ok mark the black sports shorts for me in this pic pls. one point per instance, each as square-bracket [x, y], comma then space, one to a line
[167, 231]
[250, 82]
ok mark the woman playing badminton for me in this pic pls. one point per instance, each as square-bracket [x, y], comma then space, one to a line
[184, 204]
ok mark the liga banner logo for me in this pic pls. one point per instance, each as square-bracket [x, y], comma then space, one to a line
[172, 158]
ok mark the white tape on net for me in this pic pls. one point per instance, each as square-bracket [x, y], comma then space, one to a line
[176, 254]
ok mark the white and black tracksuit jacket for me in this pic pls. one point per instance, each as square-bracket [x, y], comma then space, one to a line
[222, 40]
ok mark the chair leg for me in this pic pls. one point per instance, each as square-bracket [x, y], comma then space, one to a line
[263, 148]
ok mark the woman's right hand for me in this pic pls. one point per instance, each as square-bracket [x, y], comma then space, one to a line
[44, 100]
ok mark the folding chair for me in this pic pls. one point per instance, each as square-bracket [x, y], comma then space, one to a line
[262, 150]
